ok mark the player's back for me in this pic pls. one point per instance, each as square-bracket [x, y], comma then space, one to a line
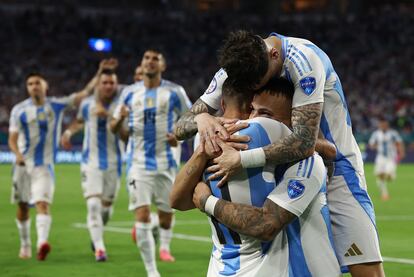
[235, 254]
[153, 111]
[101, 148]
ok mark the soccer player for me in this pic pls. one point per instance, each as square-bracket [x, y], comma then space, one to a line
[152, 107]
[138, 74]
[34, 130]
[101, 158]
[263, 230]
[390, 150]
[249, 61]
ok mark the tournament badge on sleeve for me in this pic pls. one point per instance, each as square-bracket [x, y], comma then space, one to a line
[295, 189]
[308, 85]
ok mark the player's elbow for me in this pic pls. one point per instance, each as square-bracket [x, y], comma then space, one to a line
[176, 202]
[268, 234]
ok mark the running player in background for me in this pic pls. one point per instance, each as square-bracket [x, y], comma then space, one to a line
[101, 157]
[249, 61]
[263, 230]
[152, 107]
[390, 150]
[34, 132]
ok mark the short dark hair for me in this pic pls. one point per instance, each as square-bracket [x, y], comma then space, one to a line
[278, 86]
[242, 99]
[108, 72]
[34, 74]
[244, 57]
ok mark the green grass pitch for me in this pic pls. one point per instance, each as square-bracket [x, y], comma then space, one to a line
[71, 254]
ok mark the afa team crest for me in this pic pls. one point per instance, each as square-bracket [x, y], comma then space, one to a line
[212, 87]
[308, 85]
[295, 189]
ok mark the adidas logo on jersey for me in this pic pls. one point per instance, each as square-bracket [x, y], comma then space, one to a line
[353, 251]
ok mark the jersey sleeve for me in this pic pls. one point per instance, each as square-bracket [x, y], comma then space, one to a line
[304, 68]
[373, 139]
[184, 103]
[82, 111]
[212, 95]
[396, 136]
[14, 123]
[300, 185]
[122, 100]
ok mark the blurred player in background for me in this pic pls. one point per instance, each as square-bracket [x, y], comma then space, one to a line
[257, 220]
[152, 107]
[390, 150]
[101, 158]
[138, 74]
[35, 125]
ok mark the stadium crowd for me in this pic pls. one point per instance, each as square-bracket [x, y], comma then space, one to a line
[370, 54]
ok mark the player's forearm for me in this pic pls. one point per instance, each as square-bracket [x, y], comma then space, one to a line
[301, 143]
[116, 124]
[187, 178]
[124, 134]
[326, 149]
[186, 126]
[261, 223]
[75, 127]
[13, 144]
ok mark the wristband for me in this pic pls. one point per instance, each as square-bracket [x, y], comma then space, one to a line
[253, 158]
[67, 133]
[210, 205]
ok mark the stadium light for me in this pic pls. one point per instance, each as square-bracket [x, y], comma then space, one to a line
[100, 44]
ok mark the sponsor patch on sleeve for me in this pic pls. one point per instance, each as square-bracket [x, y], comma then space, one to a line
[295, 189]
[308, 85]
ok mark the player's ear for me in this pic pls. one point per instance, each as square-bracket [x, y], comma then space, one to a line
[274, 53]
[223, 105]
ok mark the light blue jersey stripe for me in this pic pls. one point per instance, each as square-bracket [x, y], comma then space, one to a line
[305, 168]
[174, 103]
[23, 120]
[231, 259]
[297, 262]
[43, 129]
[102, 143]
[85, 115]
[118, 156]
[150, 129]
[57, 109]
[311, 166]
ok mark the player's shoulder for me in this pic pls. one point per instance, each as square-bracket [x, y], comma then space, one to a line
[132, 87]
[172, 86]
[22, 105]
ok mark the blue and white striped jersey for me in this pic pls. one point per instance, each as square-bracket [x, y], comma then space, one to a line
[39, 128]
[315, 81]
[299, 189]
[101, 148]
[385, 142]
[152, 114]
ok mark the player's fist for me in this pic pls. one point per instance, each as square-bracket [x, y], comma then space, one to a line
[172, 140]
[19, 159]
[124, 112]
[65, 140]
[100, 111]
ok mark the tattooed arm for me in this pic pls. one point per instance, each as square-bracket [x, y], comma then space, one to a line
[301, 143]
[186, 126]
[261, 223]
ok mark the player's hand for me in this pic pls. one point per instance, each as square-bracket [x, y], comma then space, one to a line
[65, 140]
[172, 140]
[124, 112]
[226, 164]
[110, 64]
[238, 142]
[20, 159]
[100, 111]
[233, 127]
[209, 127]
[200, 195]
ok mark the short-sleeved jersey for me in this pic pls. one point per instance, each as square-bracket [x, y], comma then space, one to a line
[235, 254]
[101, 148]
[39, 128]
[311, 72]
[152, 114]
[386, 143]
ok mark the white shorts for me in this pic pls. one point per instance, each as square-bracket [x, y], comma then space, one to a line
[34, 186]
[353, 219]
[385, 166]
[146, 187]
[103, 183]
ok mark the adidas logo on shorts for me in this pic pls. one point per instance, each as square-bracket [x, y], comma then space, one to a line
[353, 251]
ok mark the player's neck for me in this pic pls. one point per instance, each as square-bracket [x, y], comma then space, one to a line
[232, 113]
[152, 82]
[38, 101]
